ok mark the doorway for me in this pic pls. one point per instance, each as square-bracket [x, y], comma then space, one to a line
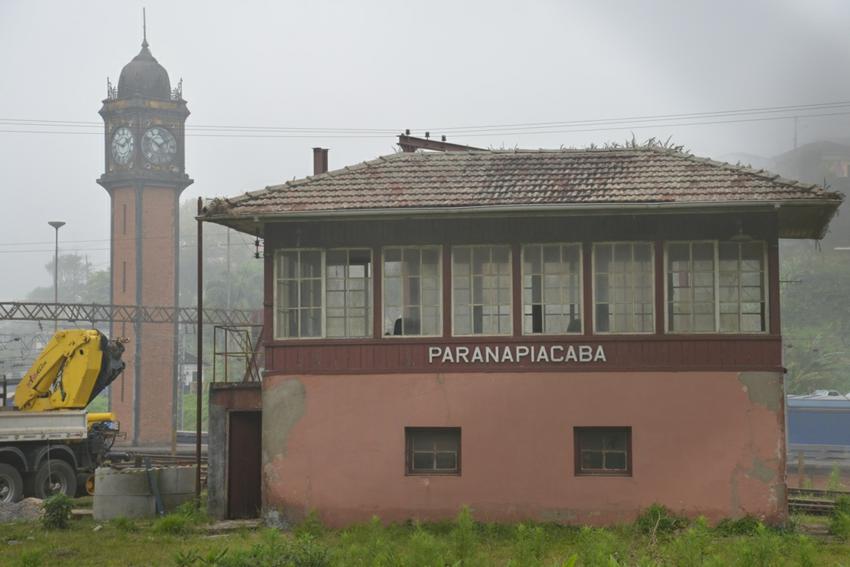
[244, 464]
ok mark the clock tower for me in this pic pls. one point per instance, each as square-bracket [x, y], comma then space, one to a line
[144, 136]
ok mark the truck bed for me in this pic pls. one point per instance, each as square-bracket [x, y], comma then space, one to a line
[59, 425]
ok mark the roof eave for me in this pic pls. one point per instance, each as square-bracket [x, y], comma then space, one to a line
[252, 223]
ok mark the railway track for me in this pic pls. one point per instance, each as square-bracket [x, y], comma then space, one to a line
[813, 501]
[162, 459]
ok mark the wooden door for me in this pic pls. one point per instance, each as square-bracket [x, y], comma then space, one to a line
[243, 464]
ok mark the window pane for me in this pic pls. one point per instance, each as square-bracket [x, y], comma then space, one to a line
[591, 459]
[482, 290]
[625, 288]
[433, 450]
[602, 450]
[615, 460]
[551, 288]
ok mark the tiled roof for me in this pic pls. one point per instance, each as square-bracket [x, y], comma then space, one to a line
[446, 180]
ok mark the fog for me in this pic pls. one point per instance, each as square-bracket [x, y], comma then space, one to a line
[391, 65]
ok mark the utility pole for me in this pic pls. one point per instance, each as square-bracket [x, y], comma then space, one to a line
[56, 225]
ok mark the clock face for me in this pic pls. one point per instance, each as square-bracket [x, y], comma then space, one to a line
[159, 145]
[122, 145]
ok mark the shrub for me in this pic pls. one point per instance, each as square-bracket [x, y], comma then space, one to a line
[842, 504]
[805, 552]
[57, 512]
[196, 514]
[658, 519]
[746, 526]
[274, 551]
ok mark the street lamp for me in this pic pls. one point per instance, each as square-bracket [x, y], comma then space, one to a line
[56, 225]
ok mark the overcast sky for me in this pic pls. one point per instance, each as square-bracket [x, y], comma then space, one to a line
[390, 65]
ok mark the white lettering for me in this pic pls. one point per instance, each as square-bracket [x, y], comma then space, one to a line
[461, 353]
[476, 355]
[571, 354]
[585, 353]
[560, 357]
[600, 355]
[507, 355]
[492, 354]
[447, 355]
[433, 352]
[542, 355]
[522, 352]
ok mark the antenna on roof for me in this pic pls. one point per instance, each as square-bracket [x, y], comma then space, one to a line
[144, 29]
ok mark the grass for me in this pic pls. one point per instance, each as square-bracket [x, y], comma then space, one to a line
[181, 539]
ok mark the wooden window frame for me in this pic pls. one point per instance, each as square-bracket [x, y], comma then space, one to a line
[767, 300]
[513, 285]
[652, 275]
[440, 291]
[409, 432]
[521, 285]
[276, 306]
[579, 471]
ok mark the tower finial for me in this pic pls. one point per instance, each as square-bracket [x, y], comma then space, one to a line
[144, 29]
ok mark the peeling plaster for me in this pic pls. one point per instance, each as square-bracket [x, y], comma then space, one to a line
[284, 405]
[762, 470]
[763, 388]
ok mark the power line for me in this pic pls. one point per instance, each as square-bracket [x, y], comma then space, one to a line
[752, 114]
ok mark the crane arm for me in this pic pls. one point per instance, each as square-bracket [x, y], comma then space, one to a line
[74, 367]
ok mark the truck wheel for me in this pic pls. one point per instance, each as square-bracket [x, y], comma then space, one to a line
[11, 484]
[54, 476]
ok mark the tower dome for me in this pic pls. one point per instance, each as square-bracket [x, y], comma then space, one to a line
[144, 77]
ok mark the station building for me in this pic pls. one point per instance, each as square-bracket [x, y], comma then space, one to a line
[565, 335]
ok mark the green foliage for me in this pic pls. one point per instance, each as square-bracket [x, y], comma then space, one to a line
[839, 525]
[805, 552]
[272, 551]
[311, 525]
[57, 512]
[842, 504]
[529, 546]
[692, 547]
[748, 525]
[367, 545]
[125, 525]
[599, 548]
[762, 549]
[658, 519]
[425, 550]
[195, 514]
[834, 483]
[464, 538]
[173, 524]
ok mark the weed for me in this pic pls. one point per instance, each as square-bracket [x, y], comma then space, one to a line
[805, 552]
[834, 483]
[842, 504]
[57, 512]
[746, 526]
[186, 558]
[658, 519]
[425, 550]
[464, 537]
[762, 549]
[839, 525]
[807, 484]
[195, 514]
[599, 548]
[367, 545]
[311, 525]
[174, 524]
[691, 547]
[529, 546]
[34, 558]
[125, 525]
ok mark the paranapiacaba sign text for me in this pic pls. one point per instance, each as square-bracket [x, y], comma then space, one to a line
[516, 354]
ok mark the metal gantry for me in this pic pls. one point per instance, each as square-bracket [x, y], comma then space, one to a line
[97, 313]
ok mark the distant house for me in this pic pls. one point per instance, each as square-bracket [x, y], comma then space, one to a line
[565, 335]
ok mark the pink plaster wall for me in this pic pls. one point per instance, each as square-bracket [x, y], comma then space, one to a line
[703, 443]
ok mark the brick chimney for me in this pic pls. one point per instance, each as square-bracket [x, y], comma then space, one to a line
[320, 161]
